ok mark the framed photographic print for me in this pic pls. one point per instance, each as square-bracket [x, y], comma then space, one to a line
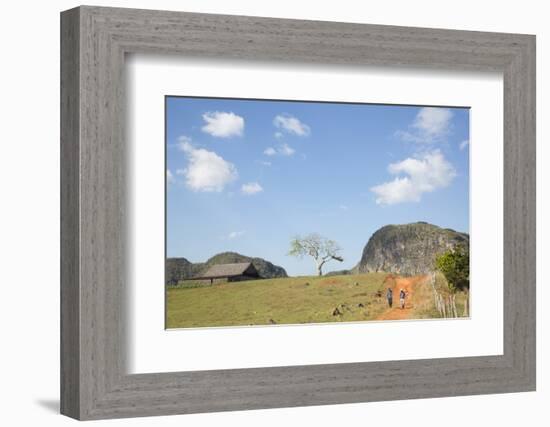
[262, 213]
[272, 178]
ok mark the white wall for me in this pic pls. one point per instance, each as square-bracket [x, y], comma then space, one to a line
[29, 225]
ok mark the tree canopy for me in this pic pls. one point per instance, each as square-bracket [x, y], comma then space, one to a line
[455, 266]
[316, 246]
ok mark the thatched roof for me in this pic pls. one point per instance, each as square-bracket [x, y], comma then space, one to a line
[229, 270]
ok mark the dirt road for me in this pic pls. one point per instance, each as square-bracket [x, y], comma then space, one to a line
[408, 284]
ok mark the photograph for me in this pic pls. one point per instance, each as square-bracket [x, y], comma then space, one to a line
[265, 214]
[286, 212]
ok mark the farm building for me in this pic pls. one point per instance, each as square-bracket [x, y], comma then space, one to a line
[230, 273]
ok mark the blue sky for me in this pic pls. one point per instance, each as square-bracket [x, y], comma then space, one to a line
[248, 175]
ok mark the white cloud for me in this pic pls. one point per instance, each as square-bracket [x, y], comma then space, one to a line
[235, 234]
[423, 174]
[183, 141]
[278, 135]
[169, 177]
[222, 124]
[286, 150]
[431, 124]
[270, 151]
[409, 136]
[464, 144]
[251, 188]
[206, 171]
[291, 125]
[433, 121]
[282, 150]
[343, 207]
[263, 162]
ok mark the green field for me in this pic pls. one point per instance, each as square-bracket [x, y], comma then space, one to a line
[278, 301]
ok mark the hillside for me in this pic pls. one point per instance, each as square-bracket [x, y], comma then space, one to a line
[408, 249]
[298, 300]
[180, 268]
[289, 300]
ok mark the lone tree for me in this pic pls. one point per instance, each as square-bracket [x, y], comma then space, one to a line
[321, 249]
[455, 266]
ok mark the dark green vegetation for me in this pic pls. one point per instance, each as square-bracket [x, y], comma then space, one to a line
[178, 269]
[455, 266]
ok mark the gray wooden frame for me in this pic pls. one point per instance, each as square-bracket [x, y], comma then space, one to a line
[94, 41]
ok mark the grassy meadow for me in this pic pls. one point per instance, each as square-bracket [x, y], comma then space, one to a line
[292, 300]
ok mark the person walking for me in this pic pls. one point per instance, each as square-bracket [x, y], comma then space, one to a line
[389, 297]
[402, 296]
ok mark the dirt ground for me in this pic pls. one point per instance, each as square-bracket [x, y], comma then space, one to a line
[408, 284]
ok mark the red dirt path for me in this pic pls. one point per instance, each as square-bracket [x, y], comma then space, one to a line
[408, 284]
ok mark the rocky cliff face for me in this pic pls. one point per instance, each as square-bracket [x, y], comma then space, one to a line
[408, 249]
[180, 268]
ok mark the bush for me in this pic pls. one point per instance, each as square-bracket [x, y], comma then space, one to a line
[455, 266]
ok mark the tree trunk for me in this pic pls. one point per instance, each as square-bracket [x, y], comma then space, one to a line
[456, 309]
[467, 304]
[437, 297]
[320, 268]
